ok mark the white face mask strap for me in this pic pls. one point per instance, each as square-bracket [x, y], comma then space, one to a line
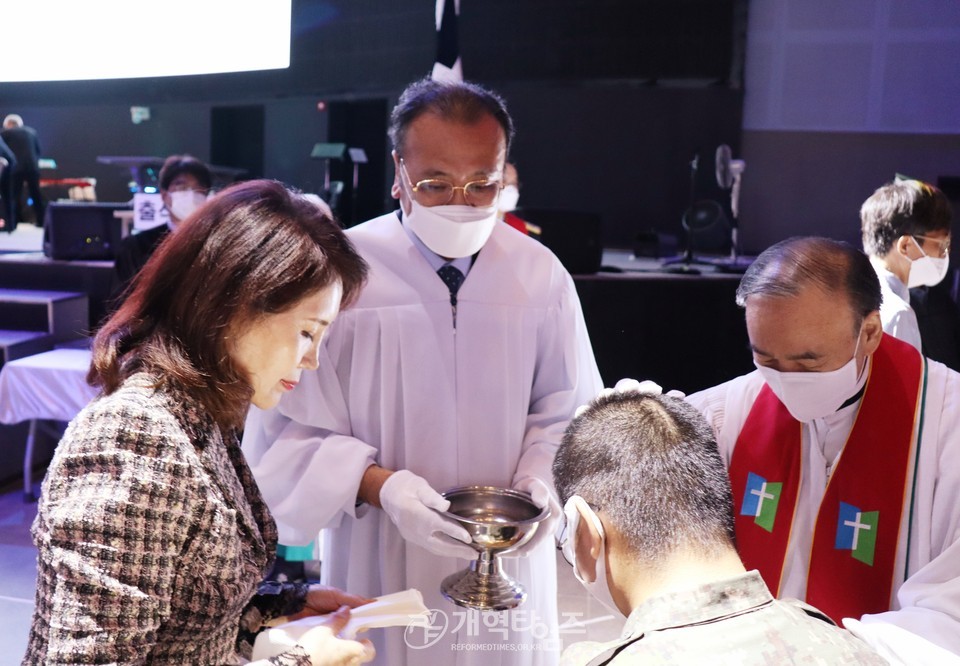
[575, 508]
[577, 502]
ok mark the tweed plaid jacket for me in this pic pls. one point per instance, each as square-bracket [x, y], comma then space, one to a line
[152, 538]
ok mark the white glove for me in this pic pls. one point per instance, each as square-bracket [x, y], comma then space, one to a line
[413, 505]
[547, 529]
[627, 385]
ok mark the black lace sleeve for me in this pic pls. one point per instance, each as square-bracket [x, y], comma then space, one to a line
[272, 600]
[295, 656]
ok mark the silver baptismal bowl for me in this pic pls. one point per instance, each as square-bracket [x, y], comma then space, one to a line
[498, 520]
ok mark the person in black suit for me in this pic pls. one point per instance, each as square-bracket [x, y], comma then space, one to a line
[185, 182]
[25, 145]
[8, 218]
[938, 317]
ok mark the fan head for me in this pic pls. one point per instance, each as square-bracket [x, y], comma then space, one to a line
[723, 160]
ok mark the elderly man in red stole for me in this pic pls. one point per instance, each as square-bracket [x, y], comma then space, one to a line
[843, 449]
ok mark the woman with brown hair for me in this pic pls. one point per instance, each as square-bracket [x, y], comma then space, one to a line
[152, 534]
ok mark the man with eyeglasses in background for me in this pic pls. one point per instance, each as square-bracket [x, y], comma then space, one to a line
[461, 364]
[906, 234]
[185, 183]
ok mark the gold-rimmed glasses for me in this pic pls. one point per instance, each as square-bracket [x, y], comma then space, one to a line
[438, 192]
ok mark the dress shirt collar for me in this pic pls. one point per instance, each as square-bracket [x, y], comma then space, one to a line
[892, 281]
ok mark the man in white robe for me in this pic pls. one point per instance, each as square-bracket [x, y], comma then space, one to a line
[906, 233]
[423, 387]
[814, 328]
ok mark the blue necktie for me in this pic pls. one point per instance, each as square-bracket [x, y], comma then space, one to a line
[452, 277]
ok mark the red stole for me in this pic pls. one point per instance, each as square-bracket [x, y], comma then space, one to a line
[858, 523]
[517, 223]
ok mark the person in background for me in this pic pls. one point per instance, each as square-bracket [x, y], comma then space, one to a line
[509, 197]
[842, 448]
[906, 233]
[8, 201]
[938, 319]
[25, 145]
[461, 364]
[650, 531]
[152, 535]
[185, 183]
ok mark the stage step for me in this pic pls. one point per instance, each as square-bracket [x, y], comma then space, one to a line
[19, 344]
[64, 315]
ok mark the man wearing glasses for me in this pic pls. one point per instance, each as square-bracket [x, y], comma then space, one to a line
[184, 183]
[906, 234]
[461, 364]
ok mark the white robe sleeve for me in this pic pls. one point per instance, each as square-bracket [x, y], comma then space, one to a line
[725, 407]
[566, 377]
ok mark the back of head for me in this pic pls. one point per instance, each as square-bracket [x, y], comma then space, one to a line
[651, 465]
[12, 120]
[460, 102]
[176, 165]
[254, 249]
[902, 208]
[784, 269]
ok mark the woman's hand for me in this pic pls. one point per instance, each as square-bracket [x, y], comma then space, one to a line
[322, 600]
[325, 647]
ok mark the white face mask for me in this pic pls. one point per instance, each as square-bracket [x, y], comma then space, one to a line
[509, 196]
[184, 202]
[927, 271]
[813, 395]
[451, 231]
[598, 587]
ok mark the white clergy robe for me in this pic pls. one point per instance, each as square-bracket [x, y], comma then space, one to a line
[483, 403]
[927, 603]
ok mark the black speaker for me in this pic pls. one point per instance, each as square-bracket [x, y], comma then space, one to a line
[574, 236]
[82, 230]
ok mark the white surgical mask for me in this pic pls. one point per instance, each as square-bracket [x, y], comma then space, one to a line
[451, 231]
[927, 271]
[813, 395]
[509, 196]
[598, 587]
[184, 202]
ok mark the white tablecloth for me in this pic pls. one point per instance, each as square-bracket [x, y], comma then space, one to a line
[50, 385]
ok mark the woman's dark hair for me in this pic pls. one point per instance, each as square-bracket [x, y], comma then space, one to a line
[254, 249]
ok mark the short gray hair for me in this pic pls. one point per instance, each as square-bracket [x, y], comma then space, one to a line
[787, 267]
